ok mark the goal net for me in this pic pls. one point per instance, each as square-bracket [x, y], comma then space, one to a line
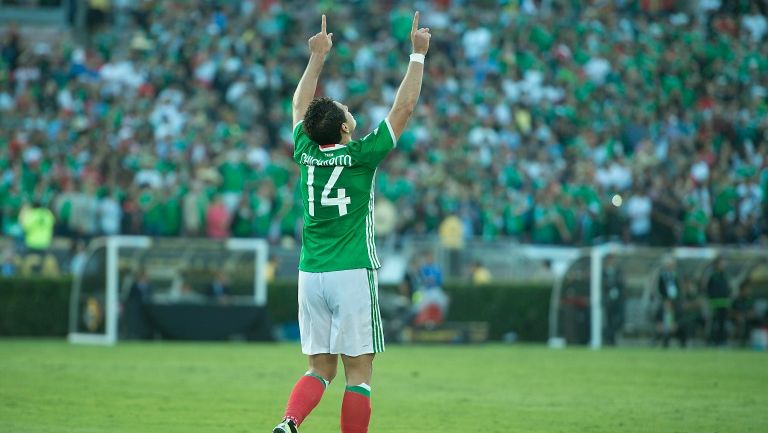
[610, 293]
[179, 271]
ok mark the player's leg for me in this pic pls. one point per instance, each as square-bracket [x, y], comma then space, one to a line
[323, 366]
[308, 390]
[315, 327]
[356, 333]
[356, 406]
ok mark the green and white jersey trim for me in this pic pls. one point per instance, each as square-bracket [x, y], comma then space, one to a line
[377, 334]
[391, 132]
[370, 229]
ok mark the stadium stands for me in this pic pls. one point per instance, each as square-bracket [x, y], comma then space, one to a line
[562, 125]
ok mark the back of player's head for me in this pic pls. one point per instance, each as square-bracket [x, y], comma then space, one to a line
[323, 120]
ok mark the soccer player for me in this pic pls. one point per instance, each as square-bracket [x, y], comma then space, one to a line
[338, 286]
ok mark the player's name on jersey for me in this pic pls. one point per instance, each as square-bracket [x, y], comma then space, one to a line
[345, 160]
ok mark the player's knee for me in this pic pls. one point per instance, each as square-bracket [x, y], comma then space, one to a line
[324, 367]
[327, 373]
[358, 369]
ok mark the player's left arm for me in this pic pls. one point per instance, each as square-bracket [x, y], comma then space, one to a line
[319, 46]
[374, 147]
[408, 93]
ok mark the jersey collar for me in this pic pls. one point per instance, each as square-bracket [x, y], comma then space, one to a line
[330, 147]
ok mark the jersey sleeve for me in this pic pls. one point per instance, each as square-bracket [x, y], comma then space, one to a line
[374, 147]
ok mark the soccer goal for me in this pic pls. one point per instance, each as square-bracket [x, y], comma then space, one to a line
[579, 312]
[178, 270]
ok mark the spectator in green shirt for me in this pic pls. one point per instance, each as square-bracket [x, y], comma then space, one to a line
[37, 222]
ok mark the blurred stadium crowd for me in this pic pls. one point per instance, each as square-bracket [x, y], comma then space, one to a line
[565, 124]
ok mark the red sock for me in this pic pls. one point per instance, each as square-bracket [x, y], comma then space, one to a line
[305, 396]
[356, 409]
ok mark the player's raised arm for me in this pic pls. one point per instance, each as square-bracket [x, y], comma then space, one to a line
[319, 46]
[408, 93]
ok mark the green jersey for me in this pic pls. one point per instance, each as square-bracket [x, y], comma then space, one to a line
[337, 195]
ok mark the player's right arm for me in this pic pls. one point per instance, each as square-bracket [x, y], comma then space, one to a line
[319, 46]
[408, 93]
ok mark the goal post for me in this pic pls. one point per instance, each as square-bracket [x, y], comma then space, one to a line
[111, 305]
[597, 258]
[261, 248]
[110, 264]
[578, 310]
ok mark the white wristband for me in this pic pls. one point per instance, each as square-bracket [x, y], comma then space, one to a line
[418, 58]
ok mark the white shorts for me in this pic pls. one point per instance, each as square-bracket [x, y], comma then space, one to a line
[339, 312]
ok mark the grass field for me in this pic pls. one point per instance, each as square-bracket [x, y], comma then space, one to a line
[50, 386]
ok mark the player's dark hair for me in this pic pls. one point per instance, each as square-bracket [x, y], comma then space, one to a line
[323, 120]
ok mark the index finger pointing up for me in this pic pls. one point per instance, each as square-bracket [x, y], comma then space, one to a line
[322, 27]
[415, 24]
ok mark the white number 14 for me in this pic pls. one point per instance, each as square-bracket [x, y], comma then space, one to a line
[341, 200]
